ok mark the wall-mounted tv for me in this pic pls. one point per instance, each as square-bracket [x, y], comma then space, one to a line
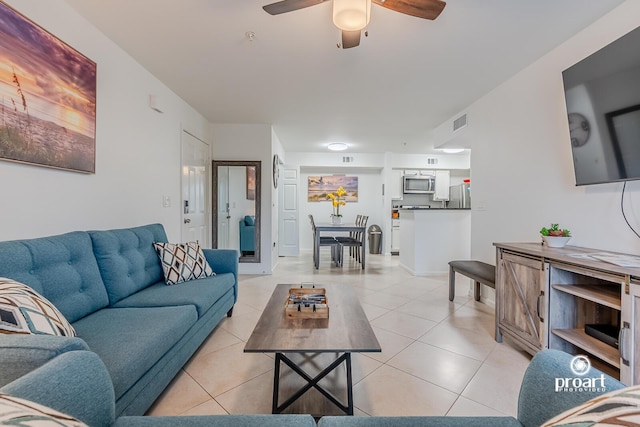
[602, 93]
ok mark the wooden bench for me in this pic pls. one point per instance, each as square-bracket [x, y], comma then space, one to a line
[478, 271]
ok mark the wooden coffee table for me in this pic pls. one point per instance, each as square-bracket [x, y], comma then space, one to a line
[346, 331]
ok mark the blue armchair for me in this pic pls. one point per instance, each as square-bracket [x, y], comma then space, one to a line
[247, 235]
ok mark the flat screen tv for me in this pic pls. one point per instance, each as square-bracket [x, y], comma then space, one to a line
[602, 93]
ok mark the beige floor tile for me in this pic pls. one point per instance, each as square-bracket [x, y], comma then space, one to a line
[504, 385]
[241, 325]
[474, 344]
[403, 324]
[210, 407]
[468, 408]
[251, 397]
[181, 395]
[381, 299]
[373, 311]
[436, 312]
[391, 344]
[391, 392]
[225, 369]
[217, 340]
[443, 368]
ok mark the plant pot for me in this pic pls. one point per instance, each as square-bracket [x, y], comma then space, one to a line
[335, 219]
[556, 241]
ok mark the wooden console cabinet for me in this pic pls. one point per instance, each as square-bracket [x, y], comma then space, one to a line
[545, 297]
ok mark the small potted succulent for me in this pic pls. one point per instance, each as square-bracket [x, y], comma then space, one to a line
[555, 237]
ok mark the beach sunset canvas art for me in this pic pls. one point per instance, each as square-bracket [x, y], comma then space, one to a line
[47, 98]
[320, 186]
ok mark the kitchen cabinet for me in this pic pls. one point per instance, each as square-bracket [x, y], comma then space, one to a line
[573, 291]
[395, 236]
[443, 179]
[396, 184]
[411, 172]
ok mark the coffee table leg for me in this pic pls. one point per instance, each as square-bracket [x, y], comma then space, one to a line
[349, 385]
[276, 384]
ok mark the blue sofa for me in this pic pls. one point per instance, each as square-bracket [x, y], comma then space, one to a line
[110, 286]
[247, 230]
[77, 383]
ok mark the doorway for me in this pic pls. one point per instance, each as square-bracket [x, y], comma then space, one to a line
[195, 189]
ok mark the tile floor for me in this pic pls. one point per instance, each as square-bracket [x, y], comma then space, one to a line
[438, 357]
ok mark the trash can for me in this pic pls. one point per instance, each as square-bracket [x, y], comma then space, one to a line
[375, 239]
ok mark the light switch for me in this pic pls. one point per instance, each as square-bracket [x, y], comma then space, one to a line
[166, 201]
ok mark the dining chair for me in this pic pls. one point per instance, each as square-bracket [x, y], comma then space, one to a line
[324, 241]
[354, 240]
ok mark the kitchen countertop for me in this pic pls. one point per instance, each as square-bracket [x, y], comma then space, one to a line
[425, 208]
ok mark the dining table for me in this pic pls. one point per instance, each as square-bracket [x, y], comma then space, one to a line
[342, 227]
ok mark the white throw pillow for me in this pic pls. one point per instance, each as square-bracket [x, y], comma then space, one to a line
[24, 311]
[182, 262]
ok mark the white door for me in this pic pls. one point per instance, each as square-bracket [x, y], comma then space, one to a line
[196, 158]
[288, 213]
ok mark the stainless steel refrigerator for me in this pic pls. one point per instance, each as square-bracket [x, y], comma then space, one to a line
[460, 196]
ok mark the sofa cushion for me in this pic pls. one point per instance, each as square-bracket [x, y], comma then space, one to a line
[20, 412]
[24, 311]
[201, 293]
[620, 407]
[418, 421]
[127, 260]
[253, 420]
[182, 262]
[61, 268]
[131, 340]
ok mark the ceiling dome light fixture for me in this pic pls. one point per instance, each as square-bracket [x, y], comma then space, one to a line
[453, 150]
[337, 146]
[351, 15]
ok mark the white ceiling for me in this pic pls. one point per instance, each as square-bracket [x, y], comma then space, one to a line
[407, 77]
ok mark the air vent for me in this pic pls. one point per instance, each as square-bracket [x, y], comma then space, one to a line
[347, 159]
[460, 122]
[432, 161]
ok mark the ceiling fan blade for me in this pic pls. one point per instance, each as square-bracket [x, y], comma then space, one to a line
[427, 9]
[350, 39]
[285, 6]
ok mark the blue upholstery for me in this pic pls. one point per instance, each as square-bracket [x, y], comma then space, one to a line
[219, 421]
[201, 293]
[115, 335]
[419, 422]
[148, 332]
[62, 268]
[74, 383]
[127, 260]
[538, 400]
[247, 234]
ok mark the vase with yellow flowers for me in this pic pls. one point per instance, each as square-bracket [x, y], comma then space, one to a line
[337, 200]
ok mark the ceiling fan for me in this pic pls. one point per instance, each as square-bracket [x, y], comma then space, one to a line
[352, 16]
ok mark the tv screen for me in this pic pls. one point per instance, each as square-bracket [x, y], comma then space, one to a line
[602, 93]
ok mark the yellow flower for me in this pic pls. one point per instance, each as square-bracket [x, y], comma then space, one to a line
[331, 196]
[341, 192]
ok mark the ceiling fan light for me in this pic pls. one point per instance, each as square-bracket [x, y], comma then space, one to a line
[351, 15]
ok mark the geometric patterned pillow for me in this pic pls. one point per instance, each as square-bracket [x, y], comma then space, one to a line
[20, 412]
[617, 408]
[24, 311]
[182, 262]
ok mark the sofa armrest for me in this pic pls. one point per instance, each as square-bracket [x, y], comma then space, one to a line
[21, 354]
[539, 400]
[75, 383]
[223, 260]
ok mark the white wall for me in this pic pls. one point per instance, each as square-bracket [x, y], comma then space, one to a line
[276, 148]
[250, 142]
[137, 149]
[522, 171]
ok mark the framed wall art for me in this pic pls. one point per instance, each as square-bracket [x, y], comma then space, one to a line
[47, 98]
[320, 186]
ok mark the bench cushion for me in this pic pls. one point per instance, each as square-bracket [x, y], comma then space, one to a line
[131, 340]
[477, 270]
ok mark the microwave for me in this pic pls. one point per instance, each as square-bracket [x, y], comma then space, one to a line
[419, 184]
